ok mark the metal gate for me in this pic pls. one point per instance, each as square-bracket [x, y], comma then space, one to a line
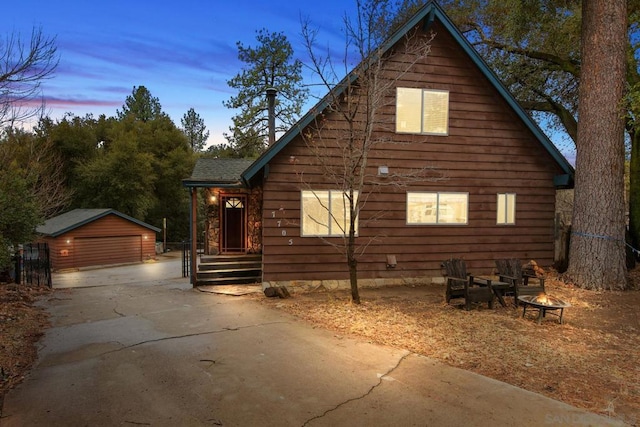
[35, 265]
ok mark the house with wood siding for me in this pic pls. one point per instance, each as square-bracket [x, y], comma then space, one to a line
[490, 176]
[97, 237]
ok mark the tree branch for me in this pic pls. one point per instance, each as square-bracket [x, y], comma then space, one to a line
[568, 65]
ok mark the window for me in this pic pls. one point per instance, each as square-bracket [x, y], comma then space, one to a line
[422, 111]
[316, 206]
[506, 209]
[437, 208]
[233, 203]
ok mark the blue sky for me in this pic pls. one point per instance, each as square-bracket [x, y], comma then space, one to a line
[183, 52]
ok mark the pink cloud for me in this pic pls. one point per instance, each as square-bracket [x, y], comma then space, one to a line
[57, 102]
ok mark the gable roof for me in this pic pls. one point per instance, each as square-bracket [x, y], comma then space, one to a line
[217, 172]
[68, 221]
[427, 14]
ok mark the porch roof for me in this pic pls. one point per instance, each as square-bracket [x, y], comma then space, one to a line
[217, 173]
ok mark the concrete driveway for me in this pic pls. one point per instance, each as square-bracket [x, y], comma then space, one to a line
[142, 348]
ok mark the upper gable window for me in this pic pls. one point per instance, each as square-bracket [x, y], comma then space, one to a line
[422, 111]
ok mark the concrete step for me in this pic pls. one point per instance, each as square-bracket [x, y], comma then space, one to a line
[207, 259]
[228, 280]
[229, 269]
[231, 272]
[229, 265]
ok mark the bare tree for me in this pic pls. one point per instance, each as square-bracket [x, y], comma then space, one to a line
[351, 125]
[23, 68]
[597, 250]
[42, 167]
[49, 187]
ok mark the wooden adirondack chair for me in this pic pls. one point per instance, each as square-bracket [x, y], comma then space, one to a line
[510, 271]
[460, 284]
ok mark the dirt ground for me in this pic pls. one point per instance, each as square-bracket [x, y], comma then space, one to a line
[22, 324]
[591, 361]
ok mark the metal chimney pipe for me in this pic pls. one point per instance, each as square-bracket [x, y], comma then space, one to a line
[271, 105]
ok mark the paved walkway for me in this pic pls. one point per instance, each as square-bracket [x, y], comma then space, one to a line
[153, 351]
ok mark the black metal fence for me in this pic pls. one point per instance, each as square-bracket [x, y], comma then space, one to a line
[33, 266]
[186, 258]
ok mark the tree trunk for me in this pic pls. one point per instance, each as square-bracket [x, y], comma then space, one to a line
[597, 256]
[634, 190]
[353, 280]
[353, 265]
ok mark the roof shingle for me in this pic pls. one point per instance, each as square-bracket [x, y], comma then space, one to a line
[78, 217]
[224, 171]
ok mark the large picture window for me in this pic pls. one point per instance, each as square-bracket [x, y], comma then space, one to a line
[422, 111]
[325, 213]
[506, 214]
[437, 208]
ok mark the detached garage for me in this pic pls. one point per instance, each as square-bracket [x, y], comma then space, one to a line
[90, 237]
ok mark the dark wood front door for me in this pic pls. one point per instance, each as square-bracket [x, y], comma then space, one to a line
[234, 220]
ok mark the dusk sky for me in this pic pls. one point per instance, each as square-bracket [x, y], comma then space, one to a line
[183, 52]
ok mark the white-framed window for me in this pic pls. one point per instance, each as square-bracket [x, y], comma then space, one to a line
[437, 208]
[325, 213]
[422, 111]
[506, 212]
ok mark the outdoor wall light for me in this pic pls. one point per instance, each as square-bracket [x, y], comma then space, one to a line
[68, 241]
[383, 170]
[292, 159]
[212, 199]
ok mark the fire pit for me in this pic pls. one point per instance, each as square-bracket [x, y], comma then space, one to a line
[544, 304]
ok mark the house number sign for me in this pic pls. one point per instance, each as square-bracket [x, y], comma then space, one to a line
[279, 223]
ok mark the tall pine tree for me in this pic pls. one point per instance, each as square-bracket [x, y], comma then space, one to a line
[195, 130]
[268, 65]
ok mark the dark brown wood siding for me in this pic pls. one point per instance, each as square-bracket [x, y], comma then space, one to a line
[488, 151]
[107, 240]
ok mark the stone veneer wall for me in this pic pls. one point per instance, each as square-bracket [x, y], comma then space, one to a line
[314, 285]
[254, 221]
[212, 221]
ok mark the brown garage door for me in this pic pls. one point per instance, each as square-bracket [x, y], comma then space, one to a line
[107, 250]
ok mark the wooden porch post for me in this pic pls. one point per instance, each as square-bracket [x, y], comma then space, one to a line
[194, 236]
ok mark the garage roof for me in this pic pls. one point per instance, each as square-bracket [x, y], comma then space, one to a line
[68, 221]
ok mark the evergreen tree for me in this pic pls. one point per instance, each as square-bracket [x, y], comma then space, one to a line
[134, 163]
[597, 251]
[268, 65]
[20, 210]
[141, 105]
[195, 130]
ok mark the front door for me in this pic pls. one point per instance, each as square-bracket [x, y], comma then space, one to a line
[234, 235]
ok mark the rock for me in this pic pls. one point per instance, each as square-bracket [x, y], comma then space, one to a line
[277, 291]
